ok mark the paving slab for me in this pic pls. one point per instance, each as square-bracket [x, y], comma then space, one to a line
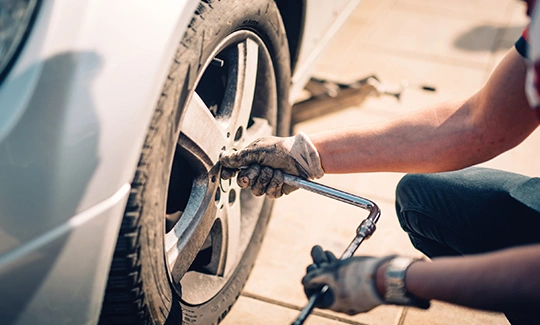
[444, 314]
[362, 23]
[436, 36]
[249, 311]
[495, 10]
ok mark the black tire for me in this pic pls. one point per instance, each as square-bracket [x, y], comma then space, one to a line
[143, 285]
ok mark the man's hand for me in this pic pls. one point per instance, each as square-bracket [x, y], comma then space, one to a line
[267, 158]
[351, 282]
[320, 259]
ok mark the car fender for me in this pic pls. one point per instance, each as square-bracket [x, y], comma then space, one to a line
[76, 106]
[74, 111]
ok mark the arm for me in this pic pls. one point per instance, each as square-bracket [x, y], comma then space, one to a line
[447, 136]
[444, 137]
[504, 280]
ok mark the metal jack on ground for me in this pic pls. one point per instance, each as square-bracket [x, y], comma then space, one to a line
[364, 231]
[328, 96]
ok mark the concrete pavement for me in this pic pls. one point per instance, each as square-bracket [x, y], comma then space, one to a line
[451, 45]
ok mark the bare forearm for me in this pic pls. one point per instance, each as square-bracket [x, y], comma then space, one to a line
[428, 140]
[502, 281]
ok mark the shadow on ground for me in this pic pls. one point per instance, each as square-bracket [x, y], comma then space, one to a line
[478, 40]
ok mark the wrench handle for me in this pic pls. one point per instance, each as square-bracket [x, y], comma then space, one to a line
[328, 191]
[366, 228]
[308, 308]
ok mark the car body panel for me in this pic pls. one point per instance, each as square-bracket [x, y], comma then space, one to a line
[79, 104]
[74, 112]
[60, 276]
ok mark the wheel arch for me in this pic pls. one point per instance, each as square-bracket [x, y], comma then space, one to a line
[293, 14]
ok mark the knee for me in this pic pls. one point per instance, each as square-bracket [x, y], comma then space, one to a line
[407, 190]
[406, 183]
[410, 194]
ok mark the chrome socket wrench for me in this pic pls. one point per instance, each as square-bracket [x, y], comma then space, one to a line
[364, 231]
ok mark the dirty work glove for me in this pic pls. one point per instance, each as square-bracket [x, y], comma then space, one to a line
[267, 158]
[321, 259]
[352, 287]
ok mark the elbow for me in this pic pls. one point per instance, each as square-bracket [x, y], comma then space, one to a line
[493, 132]
[472, 138]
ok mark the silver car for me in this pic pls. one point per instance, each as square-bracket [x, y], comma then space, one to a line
[113, 115]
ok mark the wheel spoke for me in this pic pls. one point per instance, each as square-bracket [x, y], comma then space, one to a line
[175, 240]
[244, 59]
[259, 128]
[231, 220]
[203, 135]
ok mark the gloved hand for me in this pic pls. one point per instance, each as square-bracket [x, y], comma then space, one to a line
[352, 287]
[267, 158]
[320, 259]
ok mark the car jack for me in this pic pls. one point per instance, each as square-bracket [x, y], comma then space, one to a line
[329, 96]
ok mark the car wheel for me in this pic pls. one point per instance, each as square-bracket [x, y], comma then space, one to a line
[188, 239]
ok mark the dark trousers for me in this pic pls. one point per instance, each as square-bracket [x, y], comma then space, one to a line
[470, 211]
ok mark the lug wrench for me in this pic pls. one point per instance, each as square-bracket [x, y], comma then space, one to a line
[364, 231]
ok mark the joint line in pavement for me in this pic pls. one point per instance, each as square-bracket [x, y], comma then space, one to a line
[294, 307]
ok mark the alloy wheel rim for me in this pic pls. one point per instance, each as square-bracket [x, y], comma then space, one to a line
[244, 110]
